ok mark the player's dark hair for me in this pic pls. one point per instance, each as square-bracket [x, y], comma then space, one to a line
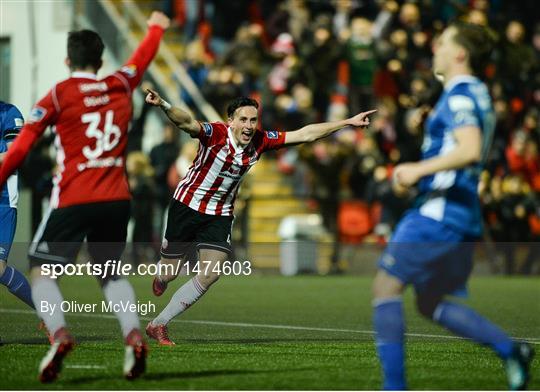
[478, 41]
[84, 49]
[240, 102]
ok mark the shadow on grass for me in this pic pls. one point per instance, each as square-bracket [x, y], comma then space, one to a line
[160, 376]
[43, 340]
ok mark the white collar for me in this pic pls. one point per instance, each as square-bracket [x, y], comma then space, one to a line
[459, 79]
[233, 142]
[84, 75]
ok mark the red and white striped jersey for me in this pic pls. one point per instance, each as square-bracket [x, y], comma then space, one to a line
[211, 183]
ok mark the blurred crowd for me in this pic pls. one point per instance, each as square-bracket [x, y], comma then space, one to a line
[319, 60]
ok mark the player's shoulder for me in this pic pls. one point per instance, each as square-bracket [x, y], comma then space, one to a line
[262, 134]
[5, 106]
[9, 109]
[213, 129]
[468, 86]
[461, 97]
[65, 83]
[10, 116]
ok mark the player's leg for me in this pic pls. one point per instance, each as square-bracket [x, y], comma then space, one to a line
[14, 281]
[465, 322]
[401, 264]
[182, 224]
[389, 325]
[57, 241]
[47, 295]
[187, 294]
[107, 241]
[213, 241]
[168, 269]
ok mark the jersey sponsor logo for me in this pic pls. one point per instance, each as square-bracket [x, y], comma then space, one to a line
[96, 101]
[207, 129]
[253, 159]
[87, 87]
[37, 114]
[129, 70]
[272, 134]
[18, 122]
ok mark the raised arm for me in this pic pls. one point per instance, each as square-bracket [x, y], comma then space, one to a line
[312, 132]
[135, 67]
[178, 117]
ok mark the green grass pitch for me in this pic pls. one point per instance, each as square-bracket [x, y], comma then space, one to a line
[270, 332]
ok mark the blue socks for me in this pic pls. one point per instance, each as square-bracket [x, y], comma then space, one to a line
[467, 323]
[17, 285]
[389, 337]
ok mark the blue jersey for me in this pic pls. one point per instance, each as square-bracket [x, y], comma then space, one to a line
[11, 122]
[451, 196]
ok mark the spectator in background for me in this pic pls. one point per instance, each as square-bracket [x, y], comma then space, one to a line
[290, 16]
[514, 218]
[136, 132]
[141, 186]
[327, 159]
[522, 156]
[223, 83]
[180, 167]
[197, 63]
[515, 60]
[161, 157]
[345, 10]
[361, 57]
[225, 17]
[320, 52]
[286, 66]
[247, 54]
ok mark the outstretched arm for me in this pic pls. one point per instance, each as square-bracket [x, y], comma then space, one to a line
[312, 132]
[178, 117]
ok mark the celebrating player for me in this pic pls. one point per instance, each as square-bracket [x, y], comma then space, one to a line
[201, 211]
[90, 198]
[11, 121]
[431, 247]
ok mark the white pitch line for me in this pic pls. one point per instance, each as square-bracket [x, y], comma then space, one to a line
[268, 326]
[85, 367]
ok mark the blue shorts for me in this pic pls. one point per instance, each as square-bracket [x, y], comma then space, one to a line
[8, 223]
[433, 257]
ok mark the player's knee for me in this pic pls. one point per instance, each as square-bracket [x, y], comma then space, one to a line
[208, 279]
[426, 305]
[385, 285]
[3, 266]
